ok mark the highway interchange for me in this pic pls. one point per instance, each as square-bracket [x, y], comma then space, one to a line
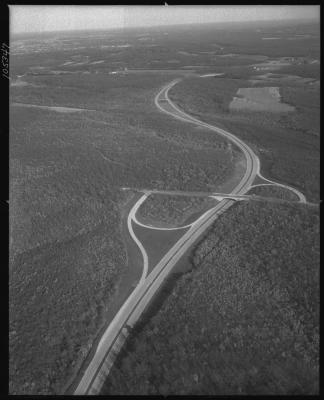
[96, 372]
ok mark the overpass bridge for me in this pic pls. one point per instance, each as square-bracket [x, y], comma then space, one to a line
[217, 196]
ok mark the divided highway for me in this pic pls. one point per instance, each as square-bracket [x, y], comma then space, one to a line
[115, 335]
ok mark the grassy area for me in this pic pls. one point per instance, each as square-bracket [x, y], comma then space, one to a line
[157, 242]
[245, 320]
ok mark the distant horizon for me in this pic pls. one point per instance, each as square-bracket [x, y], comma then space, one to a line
[46, 19]
[281, 21]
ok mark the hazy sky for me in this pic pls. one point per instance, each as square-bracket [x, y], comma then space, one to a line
[53, 18]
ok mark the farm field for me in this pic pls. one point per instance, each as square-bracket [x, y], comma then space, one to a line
[248, 325]
[286, 142]
[259, 99]
[83, 126]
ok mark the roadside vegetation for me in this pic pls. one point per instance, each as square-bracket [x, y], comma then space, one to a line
[157, 242]
[287, 143]
[68, 250]
[172, 211]
[244, 320]
[274, 191]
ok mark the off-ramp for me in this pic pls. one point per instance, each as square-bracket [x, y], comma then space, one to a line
[116, 333]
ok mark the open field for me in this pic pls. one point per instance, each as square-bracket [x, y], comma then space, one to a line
[239, 322]
[259, 99]
[248, 326]
[287, 143]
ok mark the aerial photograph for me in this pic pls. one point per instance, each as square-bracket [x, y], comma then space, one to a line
[164, 199]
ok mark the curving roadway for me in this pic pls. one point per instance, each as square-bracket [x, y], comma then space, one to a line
[115, 335]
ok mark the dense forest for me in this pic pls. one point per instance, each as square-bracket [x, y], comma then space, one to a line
[287, 143]
[251, 297]
[67, 252]
[274, 192]
[172, 210]
[244, 320]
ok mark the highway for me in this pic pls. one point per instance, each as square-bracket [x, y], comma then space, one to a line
[115, 335]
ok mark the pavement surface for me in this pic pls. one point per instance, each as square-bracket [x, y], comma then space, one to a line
[117, 332]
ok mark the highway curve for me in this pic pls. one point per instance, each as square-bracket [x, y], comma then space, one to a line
[116, 333]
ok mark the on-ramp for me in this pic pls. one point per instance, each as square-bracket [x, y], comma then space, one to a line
[98, 369]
